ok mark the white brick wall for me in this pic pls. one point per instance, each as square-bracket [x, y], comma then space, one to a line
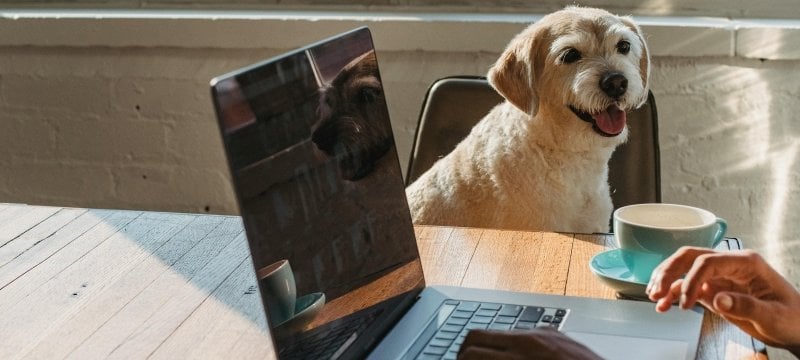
[94, 113]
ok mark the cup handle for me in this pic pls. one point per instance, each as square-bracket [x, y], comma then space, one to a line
[722, 227]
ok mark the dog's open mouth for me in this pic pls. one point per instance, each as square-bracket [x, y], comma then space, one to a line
[609, 122]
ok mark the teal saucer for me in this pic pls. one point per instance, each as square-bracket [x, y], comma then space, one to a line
[612, 271]
[305, 309]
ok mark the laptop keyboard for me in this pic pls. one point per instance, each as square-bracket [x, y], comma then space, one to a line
[328, 343]
[457, 318]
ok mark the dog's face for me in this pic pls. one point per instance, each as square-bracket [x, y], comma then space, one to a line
[353, 123]
[581, 68]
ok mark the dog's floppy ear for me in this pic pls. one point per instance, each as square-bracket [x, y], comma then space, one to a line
[644, 61]
[512, 74]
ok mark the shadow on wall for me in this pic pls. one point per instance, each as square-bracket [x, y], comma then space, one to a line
[738, 133]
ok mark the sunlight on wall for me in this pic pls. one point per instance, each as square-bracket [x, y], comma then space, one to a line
[782, 163]
[767, 150]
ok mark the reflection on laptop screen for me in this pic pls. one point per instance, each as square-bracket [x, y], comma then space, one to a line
[316, 173]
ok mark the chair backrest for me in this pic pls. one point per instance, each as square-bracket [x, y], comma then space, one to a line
[454, 105]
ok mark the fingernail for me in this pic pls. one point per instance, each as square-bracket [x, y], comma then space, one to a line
[724, 302]
[649, 286]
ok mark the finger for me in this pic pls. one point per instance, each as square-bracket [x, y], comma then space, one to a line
[706, 268]
[741, 307]
[665, 302]
[671, 269]
[481, 353]
[489, 339]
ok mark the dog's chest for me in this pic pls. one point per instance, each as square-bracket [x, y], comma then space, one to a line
[555, 200]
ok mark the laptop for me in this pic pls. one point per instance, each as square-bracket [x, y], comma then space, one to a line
[315, 170]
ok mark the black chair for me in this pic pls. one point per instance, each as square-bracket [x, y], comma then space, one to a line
[454, 105]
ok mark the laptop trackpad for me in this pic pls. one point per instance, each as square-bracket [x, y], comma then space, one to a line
[623, 347]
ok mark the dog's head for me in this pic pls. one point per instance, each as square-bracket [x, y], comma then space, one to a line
[353, 123]
[583, 65]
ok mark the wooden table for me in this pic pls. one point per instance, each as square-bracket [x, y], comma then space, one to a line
[86, 283]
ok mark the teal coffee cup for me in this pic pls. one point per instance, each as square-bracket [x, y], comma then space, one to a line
[278, 290]
[649, 233]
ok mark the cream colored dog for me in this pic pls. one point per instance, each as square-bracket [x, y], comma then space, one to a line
[539, 160]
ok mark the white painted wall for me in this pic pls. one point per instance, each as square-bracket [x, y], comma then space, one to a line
[113, 111]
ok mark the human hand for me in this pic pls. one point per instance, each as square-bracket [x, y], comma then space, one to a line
[540, 343]
[738, 285]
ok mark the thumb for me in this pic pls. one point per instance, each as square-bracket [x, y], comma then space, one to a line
[738, 306]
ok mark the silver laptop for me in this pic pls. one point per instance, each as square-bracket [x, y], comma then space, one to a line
[319, 187]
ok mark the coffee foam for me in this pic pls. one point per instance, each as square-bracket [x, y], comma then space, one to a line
[665, 217]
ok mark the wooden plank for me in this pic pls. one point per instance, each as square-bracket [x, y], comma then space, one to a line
[57, 300]
[35, 277]
[149, 318]
[501, 254]
[722, 340]
[261, 347]
[21, 218]
[445, 253]
[552, 263]
[230, 320]
[197, 236]
[6, 206]
[44, 242]
[38, 233]
[581, 281]
[12, 211]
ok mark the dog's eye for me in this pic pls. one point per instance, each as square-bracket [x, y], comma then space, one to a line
[570, 56]
[623, 47]
[369, 95]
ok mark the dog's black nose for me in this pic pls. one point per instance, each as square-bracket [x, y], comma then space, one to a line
[614, 84]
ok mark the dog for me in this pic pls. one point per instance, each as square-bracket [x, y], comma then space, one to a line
[353, 122]
[539, 160]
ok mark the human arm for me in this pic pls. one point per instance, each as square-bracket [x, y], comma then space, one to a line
[740, 286]
[539, 343]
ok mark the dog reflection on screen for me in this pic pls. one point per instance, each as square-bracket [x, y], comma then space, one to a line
[353, 123]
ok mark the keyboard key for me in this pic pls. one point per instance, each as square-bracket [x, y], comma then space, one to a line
[481, 319]
[510, 310]
[459, 341]
[490, 306]
[450, 356]
[474, 325]
[505, 319]
[547, 318]
[451, 328]
[531, 313]
[525, 325]
[440, 342]
[457, 321]
[557, 319]
[499, 326]
[462, 314]
[447, 335]
[434, 350]
[486, 312]
[561, 312]
[468, 306]
[420, 357]
[451, 302]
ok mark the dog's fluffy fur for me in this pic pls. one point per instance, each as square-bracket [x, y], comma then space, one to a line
[353, 121]
[539, 160]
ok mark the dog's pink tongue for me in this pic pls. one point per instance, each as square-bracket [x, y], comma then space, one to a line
[611, 120]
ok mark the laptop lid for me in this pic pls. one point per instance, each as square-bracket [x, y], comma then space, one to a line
[315, 171]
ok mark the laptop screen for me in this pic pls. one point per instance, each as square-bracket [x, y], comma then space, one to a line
[318, 181]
